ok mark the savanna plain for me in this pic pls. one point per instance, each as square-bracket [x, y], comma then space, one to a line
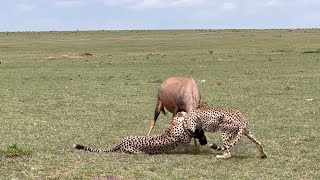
[96, 87]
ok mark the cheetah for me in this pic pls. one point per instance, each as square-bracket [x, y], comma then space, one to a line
[231, 124]
[173, 136]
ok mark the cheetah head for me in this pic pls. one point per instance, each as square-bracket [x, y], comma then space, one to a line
[193, 127]
[190, 122]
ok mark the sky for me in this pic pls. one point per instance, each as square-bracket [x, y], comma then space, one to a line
[70, 15]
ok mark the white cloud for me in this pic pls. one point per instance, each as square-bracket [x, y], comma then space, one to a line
[118, 2]
[25, 7]
[68, 3]
[142, 4]
[149, 3]
[168, 3]
[271, 3]
[188, 2]
[287, 3]
[228, 6]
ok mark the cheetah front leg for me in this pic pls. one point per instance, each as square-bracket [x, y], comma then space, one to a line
[226, 146]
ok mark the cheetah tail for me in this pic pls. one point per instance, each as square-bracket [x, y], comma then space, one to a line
[216, 147]
[85, 148]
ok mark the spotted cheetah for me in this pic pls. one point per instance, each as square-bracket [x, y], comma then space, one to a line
[231, 123]
[173, 136]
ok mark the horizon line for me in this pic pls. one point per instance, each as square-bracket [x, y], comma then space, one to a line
[195, 29]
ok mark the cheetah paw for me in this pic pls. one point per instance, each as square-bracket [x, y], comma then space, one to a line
[224, 156]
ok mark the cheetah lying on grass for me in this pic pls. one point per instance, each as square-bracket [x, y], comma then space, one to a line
[174, 135]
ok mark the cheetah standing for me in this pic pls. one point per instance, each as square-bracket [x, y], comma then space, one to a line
[231, 123]
[174, 135]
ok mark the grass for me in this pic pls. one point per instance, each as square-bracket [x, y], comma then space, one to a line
[94, 88]
[14, 151]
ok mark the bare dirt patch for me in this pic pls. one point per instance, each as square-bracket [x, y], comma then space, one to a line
[70, 56]
[107, 177]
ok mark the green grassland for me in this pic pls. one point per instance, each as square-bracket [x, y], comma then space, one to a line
[94, 88]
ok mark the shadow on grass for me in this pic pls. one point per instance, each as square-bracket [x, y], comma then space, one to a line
[189, 150]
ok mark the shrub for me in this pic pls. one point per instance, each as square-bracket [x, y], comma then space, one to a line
[15, 151]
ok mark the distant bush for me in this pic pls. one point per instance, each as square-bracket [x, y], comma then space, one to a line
[14, 151]
[86, 54]
[157, 81]
[312, 51]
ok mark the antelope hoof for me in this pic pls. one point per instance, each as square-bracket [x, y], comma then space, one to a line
[197, 151]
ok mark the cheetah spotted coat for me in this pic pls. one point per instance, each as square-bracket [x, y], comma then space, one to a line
[173, 136]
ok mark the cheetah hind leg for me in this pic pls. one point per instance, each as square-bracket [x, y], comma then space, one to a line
[253, 139]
